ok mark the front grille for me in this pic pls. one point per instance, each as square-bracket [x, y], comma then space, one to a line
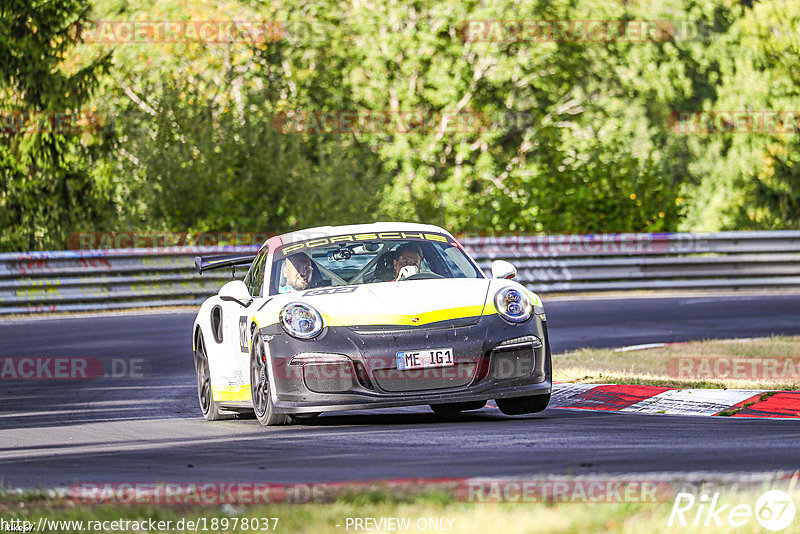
[454, 376]
[513, 363]
[328, 377]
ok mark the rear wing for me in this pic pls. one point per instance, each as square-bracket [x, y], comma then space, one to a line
[220, 262]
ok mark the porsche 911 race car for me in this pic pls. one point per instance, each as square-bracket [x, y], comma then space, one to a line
[368, 316]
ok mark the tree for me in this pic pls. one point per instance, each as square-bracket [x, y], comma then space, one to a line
[751, 173]
[46, 187]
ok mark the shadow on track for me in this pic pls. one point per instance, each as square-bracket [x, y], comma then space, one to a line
[417, 417]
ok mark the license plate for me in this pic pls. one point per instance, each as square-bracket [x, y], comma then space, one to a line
[419, 359]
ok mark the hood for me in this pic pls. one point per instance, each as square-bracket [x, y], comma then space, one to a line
[410, 302]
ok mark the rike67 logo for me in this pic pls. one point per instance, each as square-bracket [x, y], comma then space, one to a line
[774, 510]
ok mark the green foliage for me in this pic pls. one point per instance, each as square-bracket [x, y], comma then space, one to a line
[203, 166]
[46, 187]
[752, 181]
[571, 137]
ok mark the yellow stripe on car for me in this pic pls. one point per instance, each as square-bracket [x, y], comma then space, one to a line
[535, 299]
[415, 319]
[231, 393]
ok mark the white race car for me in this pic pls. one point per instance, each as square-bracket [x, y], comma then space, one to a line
[368, 316]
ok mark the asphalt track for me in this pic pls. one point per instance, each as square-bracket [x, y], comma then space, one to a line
[147, 427]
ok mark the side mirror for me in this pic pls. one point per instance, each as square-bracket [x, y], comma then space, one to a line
[237, 292]
[503, 269]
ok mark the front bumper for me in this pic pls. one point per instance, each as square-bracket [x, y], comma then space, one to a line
[365, 374]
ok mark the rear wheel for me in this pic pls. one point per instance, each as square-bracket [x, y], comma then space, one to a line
[456, 407]
[521, 405]
[259, 387]
[205, 395]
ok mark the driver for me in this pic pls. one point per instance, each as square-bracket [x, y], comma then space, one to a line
[297, 269]
[407, 261]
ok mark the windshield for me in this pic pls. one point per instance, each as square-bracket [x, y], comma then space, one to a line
[366, 259]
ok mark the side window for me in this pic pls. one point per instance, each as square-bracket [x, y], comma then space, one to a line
[256, 275]
[248, 278]
[456, 262]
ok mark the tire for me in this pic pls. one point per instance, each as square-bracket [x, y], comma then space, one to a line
[259, 387]
[457, 407]
[522, 405]
[205, 395]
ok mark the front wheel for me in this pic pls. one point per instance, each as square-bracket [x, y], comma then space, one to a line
[522, 405]
[259, 387]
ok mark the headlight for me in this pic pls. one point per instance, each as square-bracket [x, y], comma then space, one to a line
[513, 305]
[301, 320]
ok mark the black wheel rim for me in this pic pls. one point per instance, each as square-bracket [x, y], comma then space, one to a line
[203, 376]
[259, 385]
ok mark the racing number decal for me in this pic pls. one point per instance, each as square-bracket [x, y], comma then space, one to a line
[243, 340]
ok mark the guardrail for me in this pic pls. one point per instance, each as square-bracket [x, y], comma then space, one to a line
[618, 262]
[37, 282]
[41, 282]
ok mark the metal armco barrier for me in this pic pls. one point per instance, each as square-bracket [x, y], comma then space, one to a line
[618, 262]
[38, 282]
[43, 282]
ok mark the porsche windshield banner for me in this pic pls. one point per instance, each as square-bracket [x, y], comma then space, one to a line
[369, 236]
